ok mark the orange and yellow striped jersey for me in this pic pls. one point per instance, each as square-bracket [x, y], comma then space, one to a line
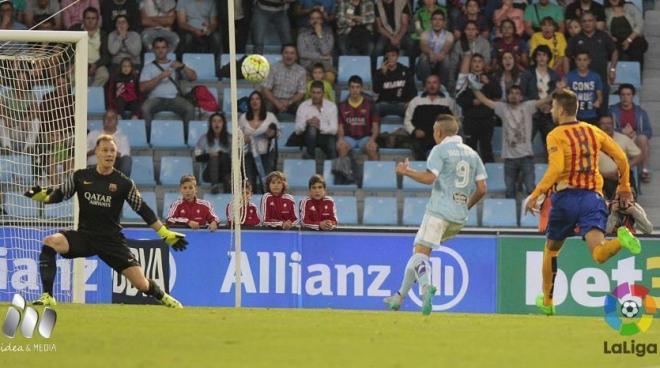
[573, 159]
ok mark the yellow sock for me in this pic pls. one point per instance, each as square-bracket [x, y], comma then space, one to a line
[549, 272]
[606, 250]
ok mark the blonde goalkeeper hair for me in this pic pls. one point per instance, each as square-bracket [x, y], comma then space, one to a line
[105, 138]
[447, 124]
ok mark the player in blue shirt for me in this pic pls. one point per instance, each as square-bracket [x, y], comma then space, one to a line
[459, 181]
[588, 86]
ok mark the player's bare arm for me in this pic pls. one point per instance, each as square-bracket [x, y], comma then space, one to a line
[424, 177]
[479, 193]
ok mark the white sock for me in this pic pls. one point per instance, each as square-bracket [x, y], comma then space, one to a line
[419, 269]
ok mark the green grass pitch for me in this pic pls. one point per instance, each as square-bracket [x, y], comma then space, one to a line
[153, 336]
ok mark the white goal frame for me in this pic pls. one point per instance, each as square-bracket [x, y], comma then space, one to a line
[79, 38]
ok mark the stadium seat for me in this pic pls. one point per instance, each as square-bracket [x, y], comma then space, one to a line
[173, 167]
[346, 210]
[473, 219]
[539, 171]
[628, 72]
[380, 211]
[196, 129]
[219, 203]
[354, 65]
[497, 141]
[136, 132]
[286, 129]
[16, 169]
[168, 199]
[167, 134]
[202, 64]
[410, 185]
[95, 124]
[256, 199]
[330, 178]
[142, 172]
[495, 181]
[413, 210]
[379, 175]
[499, 212]
[95, 101]
[538, 146]
[61, 211]
[528, 220]
[273, 58]
[402, 60]
[149, 57]
[226, 98]
[19, 206]
[395, 120]
[298, 172]
[149, 198]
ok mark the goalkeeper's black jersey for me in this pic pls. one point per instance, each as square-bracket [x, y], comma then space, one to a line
[101, 198]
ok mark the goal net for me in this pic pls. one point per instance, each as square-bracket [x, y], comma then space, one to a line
[43, 103]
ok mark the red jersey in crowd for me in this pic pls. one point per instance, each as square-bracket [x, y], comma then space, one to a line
[277, 209]
[251, 217]
[357, 120]
[198, 210]
[313, 211]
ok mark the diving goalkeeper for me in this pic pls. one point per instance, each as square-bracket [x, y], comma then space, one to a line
[101, 194]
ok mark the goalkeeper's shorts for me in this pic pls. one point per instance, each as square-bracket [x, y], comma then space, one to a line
[113, 250]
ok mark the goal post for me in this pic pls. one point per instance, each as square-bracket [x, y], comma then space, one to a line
[35, 65]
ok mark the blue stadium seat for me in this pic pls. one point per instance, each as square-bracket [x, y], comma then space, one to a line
[202, 64]
[173, 167]
[298, 172]
[273, 58]
[95, 101]
[330, 178]
[149, 57]
[495, 181]
[286, 129]
[539, 171]
[389, 128]
[143, 170]
[528, 220]
[19, 206]
[395, 120]
[499, 212]
[196, 129]
[380, 211]
[16, 169]
[168, 199]
[497, 141]
[226, 98]
[538, 145]
[628, 72]
[413, 210]
[219, 203]
[136, 132]
[167, 134]
[149, 198]
[410, 185]
[473, 219]
[354, 65]
[379, 175]
[402, 60]
[94, 125]
[256, 199]
[346, 210]
[63, 210]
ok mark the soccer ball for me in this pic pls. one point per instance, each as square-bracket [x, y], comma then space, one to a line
[629, 309]
[255, 68]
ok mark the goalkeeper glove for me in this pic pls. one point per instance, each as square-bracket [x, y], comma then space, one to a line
[39, 194]
[173, 239]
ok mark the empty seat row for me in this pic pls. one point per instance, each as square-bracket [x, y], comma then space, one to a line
[171, 170]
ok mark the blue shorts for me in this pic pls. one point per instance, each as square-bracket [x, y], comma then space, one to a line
[573, 208]
[357, 143]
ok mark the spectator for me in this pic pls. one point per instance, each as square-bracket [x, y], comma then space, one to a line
[536, 84]
[304, 8]
[573, 27]
[110, 9]
[278, 207]
[124, 43]
[508, 73]
[214, 149]
[18, 110]
[472, 13]
[422, 23]
[355, 22]
[285, 86]
[317, 119]
[316, 42]
[607, 166]
[392, 20]
[260, 129]
[471, 41]
[270, 16]
[8, 17]
[124, 161]
[57, 107]
[157, 19]
[633, 121]
[534, 14]
[242, 19]
[97, 49]
[359, 122]
[588, 87]
[435, 46]
[319, 74]
[578, 8]
[421, 113]
[318, 211]
[395, 85]
[191, 211]
[72, 12]
[38, 10]
[517, 151]
[626, 24]
[20, 6]
[478, 119]
[159, 84]
[511, 13]
[509, 41]
[554, 40]
[123, 91]
[198, 26]
[250, 214]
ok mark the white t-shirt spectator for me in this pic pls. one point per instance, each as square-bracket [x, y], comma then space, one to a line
[327, 115]
[198, 12]
[164, 89]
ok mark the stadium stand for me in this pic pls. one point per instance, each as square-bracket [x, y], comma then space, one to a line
[136, 132]
[379, 176]
[298, 172]
[330, 179]
[143, 171]
[202, 64]
[347, 211]
[149, 198]
[380, 211]
[173, 167]
[499, 212]
[167, 134]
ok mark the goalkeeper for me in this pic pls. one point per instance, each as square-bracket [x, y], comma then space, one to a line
[101, 191]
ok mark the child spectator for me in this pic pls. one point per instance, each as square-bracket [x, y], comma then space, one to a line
[588, 86]
[573, 27]
[318, 211]
[123, 91]
[191, 211]
[278, 207]
[319, 74]
[213, 148]
[250, 216]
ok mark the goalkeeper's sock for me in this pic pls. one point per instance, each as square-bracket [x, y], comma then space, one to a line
[47, 268]
[549, 272]
[155, 290]
[606, 250]
[421, 269]
[408, 278]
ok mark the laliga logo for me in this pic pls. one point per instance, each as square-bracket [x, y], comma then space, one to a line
[445, 279]
[29, 321]
[634, 297]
